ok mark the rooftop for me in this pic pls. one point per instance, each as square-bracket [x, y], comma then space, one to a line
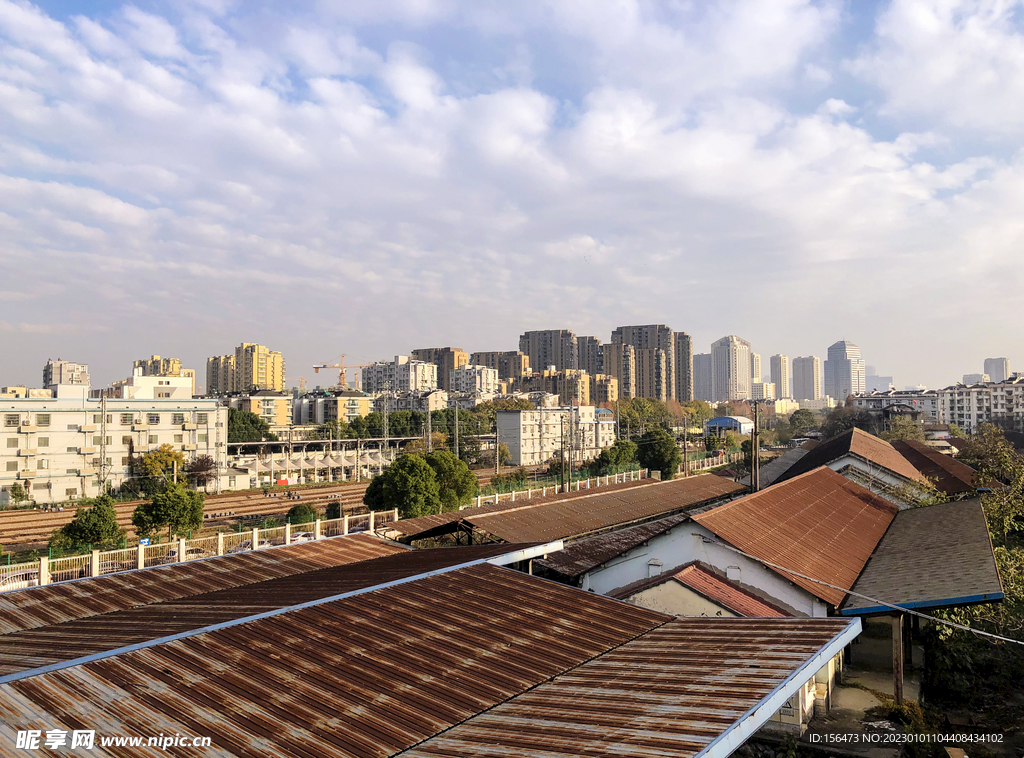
[949, 475]
[859, 443]
[819, 524]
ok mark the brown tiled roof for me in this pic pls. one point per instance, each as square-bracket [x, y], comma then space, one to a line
[931, 557]
[861, 444]
[819, 524]
[705, 580]
[949, 475]
[580, 516]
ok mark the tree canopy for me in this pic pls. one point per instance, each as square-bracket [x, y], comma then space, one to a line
[94, 525]
[657, 450]
[903, 428]
[244, 426]
[409, 484]
[615, 459]
[802, 420]
[177, 508]
[161, 463]
[456, 483]
[302, 513]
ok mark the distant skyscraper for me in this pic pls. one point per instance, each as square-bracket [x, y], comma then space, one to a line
[652, 337]
[755, 368]
[875, 383]
[64, 372]
[780, 375]
[702, 388]
[730, 368]
[998, 369]
[844, 371]
[683, 371]
[447, 359]
[619, 361]
[976, 378]
[807, 378]
[588, 352]
[549, 347]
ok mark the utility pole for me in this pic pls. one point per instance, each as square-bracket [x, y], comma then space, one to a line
[561, 452]
[103, 444]
[497, 449]
[457, 428]
[387, 403]
[686, 447]
[755, 471]
[426, 425]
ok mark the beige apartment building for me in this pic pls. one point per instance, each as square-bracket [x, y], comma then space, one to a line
[251, 367]
[604, 389]
[165, 367]
[447, 359]
[619, 361]
[512, 365]
[273, 407]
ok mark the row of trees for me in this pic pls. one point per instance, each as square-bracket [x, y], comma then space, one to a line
[420, 485]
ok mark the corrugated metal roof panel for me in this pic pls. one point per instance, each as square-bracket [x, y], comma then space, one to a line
[55, 603]
[670, 692]
[44, 646]
[585, 515]
[819, 524]
[950, 475]
[859, 443]
[934, 556]
[368, 675]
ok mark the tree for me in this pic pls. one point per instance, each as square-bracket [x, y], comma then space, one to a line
[18, 494]
[302, 513]
[333, 509]
[456, 483]
[161, 463]
[614, 459]
[844, 417]
[409, 484]
[802, 420]
[469, 446]
[438, 441]
[244, 426]
[201, 470]
[489, 409]
[657, 450]
[95, 525]
[177, 508]
[903, 428]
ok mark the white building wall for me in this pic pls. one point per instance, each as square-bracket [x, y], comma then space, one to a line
[534, 437]
[473, 380]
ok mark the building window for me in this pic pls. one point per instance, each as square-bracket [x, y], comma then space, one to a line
[126, 419]
[154, 418]
[126, 439]
[201, 418]
[12, 419]
[72, 471]
[42, 464]
[42, 419]
[12, 465]
[71, 492]
[71, 449]
[12, 442]
[179, 438]
[152, 439]
[96, 461]
[97, 439]
[124, 460]
[203, 437]
[72, 427]
[43, 442]
[178, 418]
[97, 418]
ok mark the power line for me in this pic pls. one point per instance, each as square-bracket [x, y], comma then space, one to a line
[909, 611]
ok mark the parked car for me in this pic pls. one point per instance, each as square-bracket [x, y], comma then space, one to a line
[244, 547]
[302, 537]
[19, 580]
[190, 554]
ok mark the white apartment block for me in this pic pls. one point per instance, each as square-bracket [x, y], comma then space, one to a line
[403, 374]
[780, 375]
[762, 390]
[64, 372]
[730, 368]
[534, 437]
[154, 387]
[807, 378]
[992, 402]
[925, 402]
[473, 379]
[59, 448]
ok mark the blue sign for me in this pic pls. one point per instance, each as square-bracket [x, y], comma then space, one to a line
[144, 541]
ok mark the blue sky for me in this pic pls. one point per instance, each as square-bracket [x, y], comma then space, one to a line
[368, 178]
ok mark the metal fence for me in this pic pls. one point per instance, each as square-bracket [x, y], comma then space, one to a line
[576, 485]
[47, 571]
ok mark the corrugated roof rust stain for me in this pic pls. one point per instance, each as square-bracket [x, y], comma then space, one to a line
[34, 648]
[581, 516]
[368, 675]
[65, 601]
[859, 443]
[669, 692]
[949, 475]
[819, 524]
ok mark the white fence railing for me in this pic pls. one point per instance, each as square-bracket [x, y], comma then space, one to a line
[576, 486]
[713, 461]
[48, 571]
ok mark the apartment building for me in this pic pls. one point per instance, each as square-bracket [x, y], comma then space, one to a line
[535, 437]
[64, 372]
[702, 386]
[251, 367]
[165, 367]
[158, 387]
[324, 406]
[471, 379]
[730, 369]
[71, 446]
[779, 365]
[220, 375]
[655, 375]
[422, 401]
[588, 355]
[604, 389]
[447, 359]
[403, 374]
[762, 390]
[807, 378]
[998, 369]
[273, 407]
[969, 406]
[619, 361]
[682, 373]
[550, 347]
[755, 367]
[512, 365]
[570, 385]
[885, 403]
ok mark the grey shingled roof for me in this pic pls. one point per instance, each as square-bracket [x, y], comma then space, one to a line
[931, 557]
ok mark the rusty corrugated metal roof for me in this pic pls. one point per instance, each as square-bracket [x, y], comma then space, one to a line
[949, 475]
[861, 444]
[670, 692]
[574, 518]
[367, 675]
[44, 646]
[54, 603]
[710, 583]
[819, 524]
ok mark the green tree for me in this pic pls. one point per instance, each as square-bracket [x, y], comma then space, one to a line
[160, 464]
[244, 426]
[96, 525]
[489, 409]
[802, 420]
[903, 428]
[844, 417]
[302, 513]
[18, 494]
[456, 483]
[614, 459]
[657, 450]
[409, 484]
[333, 509]
[201, 470]
[177, 508]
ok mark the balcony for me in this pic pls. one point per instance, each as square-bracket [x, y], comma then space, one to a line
[190, 447]
[87, 428]
[25, 452]
[140, 427]
[88, 471]
[27, 474]
[189, 427]
[88, 450]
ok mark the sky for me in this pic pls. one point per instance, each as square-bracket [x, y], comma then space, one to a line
[370, 178]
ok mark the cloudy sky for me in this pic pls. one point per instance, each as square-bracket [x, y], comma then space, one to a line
[367, 178]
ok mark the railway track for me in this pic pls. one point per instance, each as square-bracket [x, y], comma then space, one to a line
[27, 529]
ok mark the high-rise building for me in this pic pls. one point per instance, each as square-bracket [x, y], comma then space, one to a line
[843, 372]
[588, 351]
[755, 367]
[762, 390]
[157, 366]
[875, 383]
[604, 389]
[807, 378]
[476, 380]
[549, 347]
[976, 378]
[252, 367]
[702, 387]
[403, 374]
[447, 359]
[220, 375]
[59, 371]
[652, 337]
[652, 373]
[998, 369]
[510, 364]
[682, 373]
[780, 375]
[620, 361]
[730, 368]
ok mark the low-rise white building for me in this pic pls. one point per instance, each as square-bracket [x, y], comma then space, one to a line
[925, 403]
[67, 447]
[141, 386]
[969, 406]
[473, 379]
[403, 374]
[534, 437]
